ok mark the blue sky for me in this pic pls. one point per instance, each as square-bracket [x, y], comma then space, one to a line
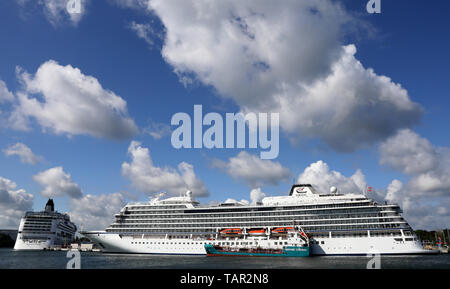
[408, 42]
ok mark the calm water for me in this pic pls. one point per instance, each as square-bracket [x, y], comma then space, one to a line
[57, 260]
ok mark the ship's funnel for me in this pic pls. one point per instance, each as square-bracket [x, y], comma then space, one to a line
[50, 206]
[302, 190]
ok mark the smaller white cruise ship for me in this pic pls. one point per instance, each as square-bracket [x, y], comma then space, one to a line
[45, 229]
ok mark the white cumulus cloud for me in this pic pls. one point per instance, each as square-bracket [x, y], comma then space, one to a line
[13, 204]
[96, 212]
[427, 165]
[393, 191]
[145, 31]
[158, 130]
[5, 94]
[148, 178]
[409, 153]
[256, 195]
[25, 154]
[351, 108]
[252, 170]
[320, 176]
[57, 183]
[6, 98]
[65, 101]
[420, 210]
[425, 195]
[289, 58]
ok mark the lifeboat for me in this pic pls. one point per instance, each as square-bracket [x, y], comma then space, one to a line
[257, 232]
[231, 231]
[282, 230]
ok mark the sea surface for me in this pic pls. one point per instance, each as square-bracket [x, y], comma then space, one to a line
[10, 259]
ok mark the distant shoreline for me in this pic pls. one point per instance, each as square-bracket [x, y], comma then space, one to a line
[7, 239]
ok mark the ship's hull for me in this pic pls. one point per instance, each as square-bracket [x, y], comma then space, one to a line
[32, 244]
[39, 243]
[366, 246]
[114, 243]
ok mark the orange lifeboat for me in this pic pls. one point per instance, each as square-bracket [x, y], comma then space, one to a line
[257, 232]
[231, 231]
[282, 230]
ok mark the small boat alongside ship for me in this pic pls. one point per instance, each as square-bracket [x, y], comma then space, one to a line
[282, 242]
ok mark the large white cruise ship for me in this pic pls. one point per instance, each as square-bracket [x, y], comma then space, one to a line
[42, 230]
[337, 224]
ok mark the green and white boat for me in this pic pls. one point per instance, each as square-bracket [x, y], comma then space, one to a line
[294, 244]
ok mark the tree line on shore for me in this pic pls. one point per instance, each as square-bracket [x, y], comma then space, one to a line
[6, 241]
[433, 236]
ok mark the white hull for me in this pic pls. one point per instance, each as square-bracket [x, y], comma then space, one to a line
[113, 243]
[38, 243]
[366, 245]
[32, 244]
